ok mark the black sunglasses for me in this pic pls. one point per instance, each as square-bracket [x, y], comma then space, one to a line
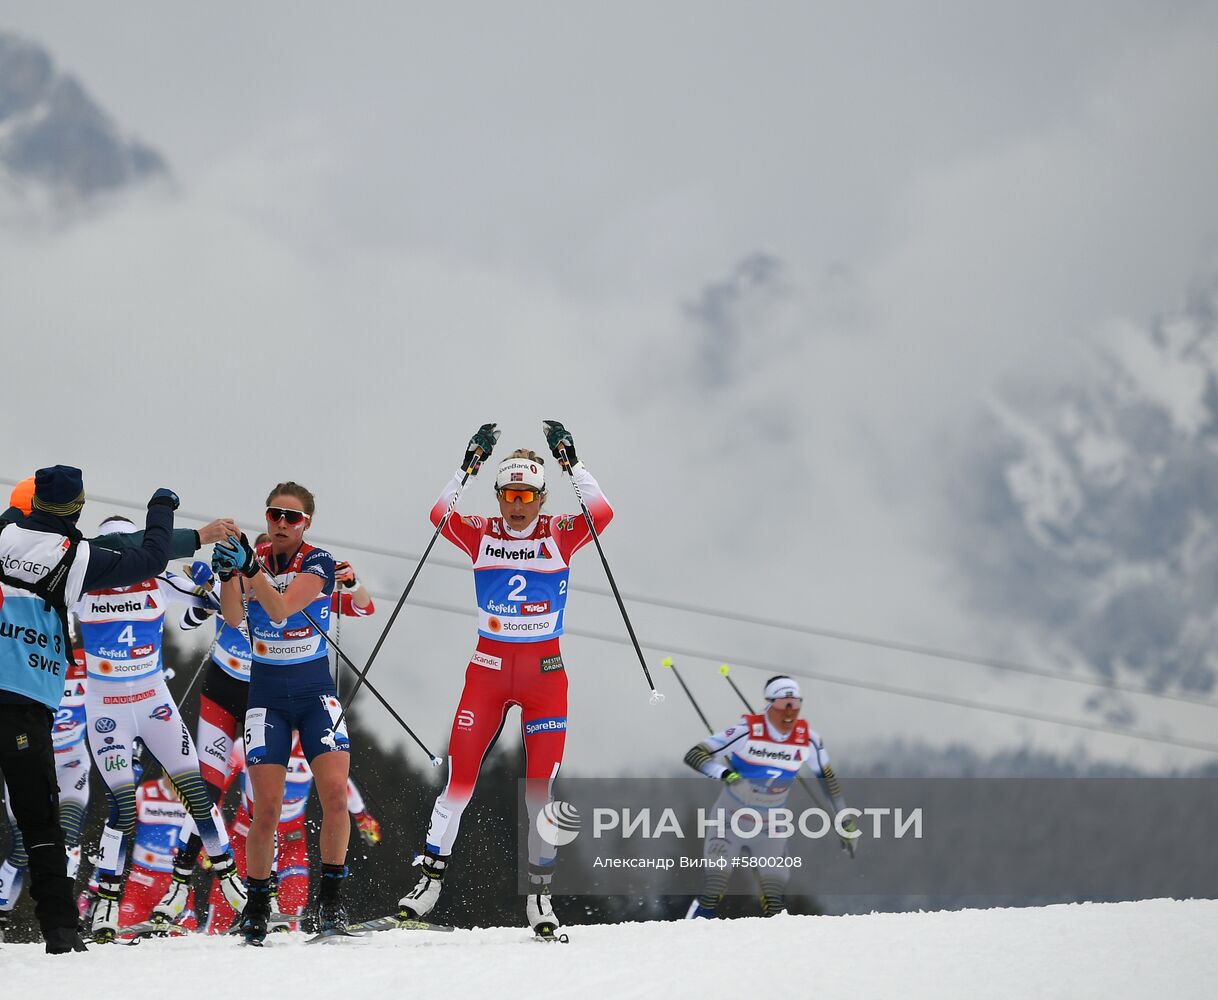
[274, 514]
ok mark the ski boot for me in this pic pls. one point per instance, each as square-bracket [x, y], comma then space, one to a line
[417, 903]
[173, 903]
[256, 912]
[331, 916]
[537, 907]
[86, 903]
[5, 919]
[278, 922]
[105, 911]
[225, 869]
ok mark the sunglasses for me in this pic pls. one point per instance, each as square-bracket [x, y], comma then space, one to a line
[518, 496]
[274, 514]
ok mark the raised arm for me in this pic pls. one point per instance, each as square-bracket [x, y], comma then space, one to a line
[107, 568]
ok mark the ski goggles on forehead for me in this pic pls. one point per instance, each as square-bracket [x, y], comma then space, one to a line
[286, 514]
[512, 495]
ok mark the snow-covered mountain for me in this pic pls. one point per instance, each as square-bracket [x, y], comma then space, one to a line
[58, 148]
[1087, 507]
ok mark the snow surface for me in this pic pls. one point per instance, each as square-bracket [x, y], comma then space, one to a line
[1158, 948]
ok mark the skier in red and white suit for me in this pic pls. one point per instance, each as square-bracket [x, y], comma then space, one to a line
[521, 565]
[159, 817]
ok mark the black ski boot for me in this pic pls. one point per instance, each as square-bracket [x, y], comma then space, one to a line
[331, 913]
[256, 912]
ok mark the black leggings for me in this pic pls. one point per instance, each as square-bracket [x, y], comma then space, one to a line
[27, 759]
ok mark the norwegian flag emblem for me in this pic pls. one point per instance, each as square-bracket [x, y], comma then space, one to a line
[518, 477]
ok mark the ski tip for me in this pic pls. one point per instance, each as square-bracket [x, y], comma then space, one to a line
[666, 662]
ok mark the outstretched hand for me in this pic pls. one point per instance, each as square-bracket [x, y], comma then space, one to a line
[218, 530]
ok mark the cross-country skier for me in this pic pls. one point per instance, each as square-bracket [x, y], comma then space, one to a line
[160, 814]
[757, 760]
[521, 562]
[127, 698]
[287, 582]
[223, 700]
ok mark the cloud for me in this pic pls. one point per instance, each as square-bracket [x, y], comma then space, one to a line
[764, 309]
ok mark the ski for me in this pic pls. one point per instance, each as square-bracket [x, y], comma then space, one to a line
[332, 934]
[129, 942]
[153, 928]
[395, 923]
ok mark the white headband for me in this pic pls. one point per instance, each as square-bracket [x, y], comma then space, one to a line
[782, 687]
[520, 472]
[113, 526]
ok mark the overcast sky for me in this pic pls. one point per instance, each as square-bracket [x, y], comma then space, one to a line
[763, 260]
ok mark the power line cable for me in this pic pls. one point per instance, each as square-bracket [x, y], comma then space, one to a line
[1110, 684]
[876, 686]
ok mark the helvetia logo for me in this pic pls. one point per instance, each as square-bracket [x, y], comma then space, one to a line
[558, 823]
[513, 555]
[99, 607]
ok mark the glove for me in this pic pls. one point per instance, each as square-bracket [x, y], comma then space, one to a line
[200, 573]
[480, 447]
[225, 559]
[249, 564]
[850, 844]
[164, 498]
[345, 575]
[729, 777]
[369, 828]
[559, 440]
[234, 555]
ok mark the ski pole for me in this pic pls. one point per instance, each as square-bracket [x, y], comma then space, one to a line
[667, 662]
[338, 631]
[726, 671]
[452, 504]
[656, 697]
[340, 655]
[198, 673]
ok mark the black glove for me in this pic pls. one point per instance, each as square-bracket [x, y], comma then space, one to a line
[164, 498]
[562, 447]
[729, 777]
[480, 447]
